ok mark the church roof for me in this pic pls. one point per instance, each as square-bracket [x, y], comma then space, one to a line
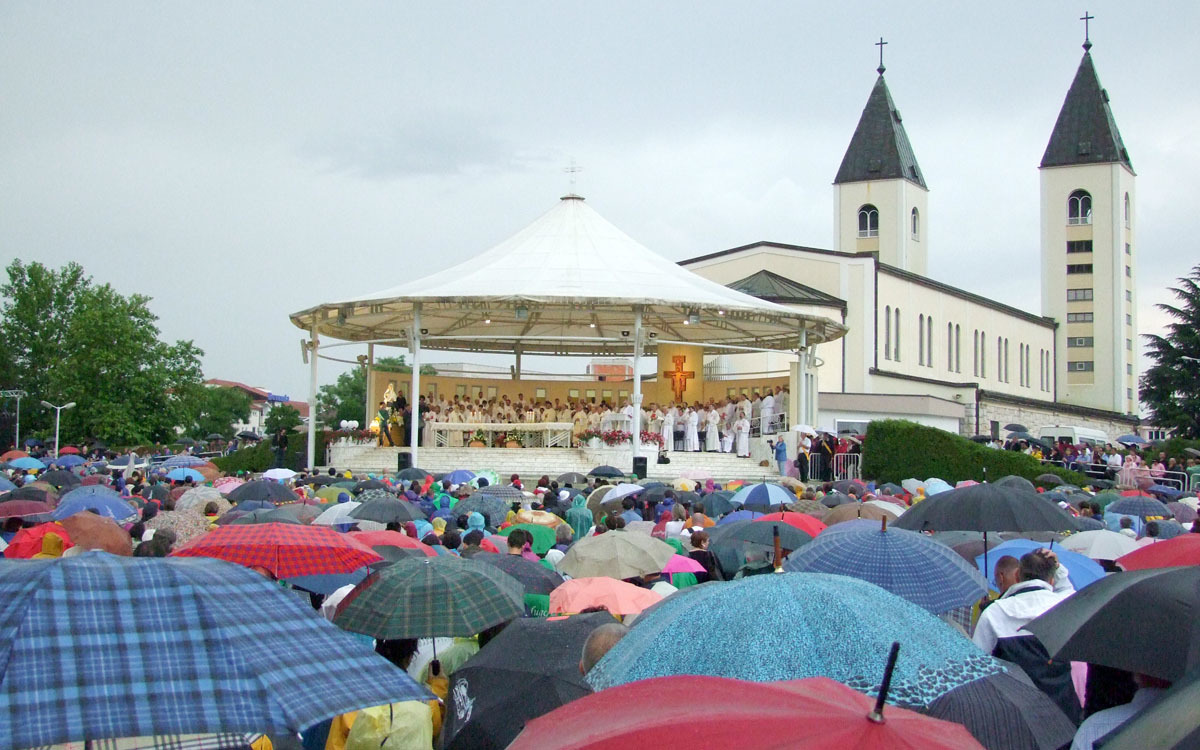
[1086, 132]
[775, 288]
[880, 149]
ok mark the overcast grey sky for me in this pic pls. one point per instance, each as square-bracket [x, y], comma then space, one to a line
[240, 161]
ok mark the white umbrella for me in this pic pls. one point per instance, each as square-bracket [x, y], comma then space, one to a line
[804, 429]
[623, 490]
[279, 474]
[1099, 544]
[912, 485]
[884, 505]
[339, 513]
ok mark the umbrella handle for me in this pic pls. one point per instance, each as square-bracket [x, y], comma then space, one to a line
[778, 548]
[876, 714]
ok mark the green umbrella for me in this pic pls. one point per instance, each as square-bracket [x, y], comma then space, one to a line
[332, 493]
[347, 485]
[1106, 498]
[543, 536]
[616, 554]
[431, 596]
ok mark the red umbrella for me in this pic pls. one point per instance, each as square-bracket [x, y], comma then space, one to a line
[20, 508]
[806, 523]
[618, 597]
[91, 479]
[805, 714]
[286, 550]
[1181, 550]
[28, 542]
[391, 539]
[68, 449]
[13, 455]
[1135, 493]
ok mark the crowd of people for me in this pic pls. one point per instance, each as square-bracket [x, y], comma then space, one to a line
[1126, 465]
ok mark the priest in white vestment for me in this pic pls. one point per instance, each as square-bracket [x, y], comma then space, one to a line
[668, 430]
[691, 436]
[712, 435]
[741, 429]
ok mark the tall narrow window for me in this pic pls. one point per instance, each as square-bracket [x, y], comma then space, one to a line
[950, 347]
[975, 353]
[887, 332]
[1028, 369]
[868, 221]
[1079, 208]
[1000, 359]
[920, 339]
[957, 348]
[1007, 379]
[929, 341]
[1020, 362]
[983, 354]
[916, 221]
[1126, 210]
[896, 345]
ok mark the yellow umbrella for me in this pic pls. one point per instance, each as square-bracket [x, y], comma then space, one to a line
[684, 485]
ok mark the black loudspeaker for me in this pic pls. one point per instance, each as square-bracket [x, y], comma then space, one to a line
[639, 467]
[403, 460]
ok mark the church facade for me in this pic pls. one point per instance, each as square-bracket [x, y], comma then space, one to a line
[924, 350]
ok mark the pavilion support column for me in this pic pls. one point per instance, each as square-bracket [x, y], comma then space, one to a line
[517, 362]
[314, 349]
[636, 439]
[367, 385]
[798, 404]
[414, 396]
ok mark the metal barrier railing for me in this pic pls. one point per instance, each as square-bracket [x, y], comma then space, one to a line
[847, 466]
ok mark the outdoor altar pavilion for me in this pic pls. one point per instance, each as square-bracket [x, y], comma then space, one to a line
[571, 284]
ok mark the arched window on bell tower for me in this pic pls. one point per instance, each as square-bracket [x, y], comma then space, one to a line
[1079, 208]
[916, 224]
[868, 221]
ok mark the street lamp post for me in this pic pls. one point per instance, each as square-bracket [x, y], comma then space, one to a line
[58, 410]
[18, 395]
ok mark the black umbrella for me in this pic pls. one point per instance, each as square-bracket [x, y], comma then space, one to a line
[716, 504]
[493, 508]
[32, 493]
[1012, 480]
[655, 494]
[321, 480]
[1053, 479]
[730, 543]
[1168, 723]
[32, 442]
[981, 438]
[834, 499]
[392, 554]
[386, 508]
[606, 471]
[214, 437]
[157, 492]
[261, 489]
[686, 496]
[247, 435]
[185, 441]
[1139, 621]
[536, 578]
[1005, 710]
[1016, 427]
[572, 478]
[986, 507]
[278, 515]
[60, 479]
[1103, 484]
[528, 670]
[413, 474]
[889, 488]
[370, 484]
[1143, 507]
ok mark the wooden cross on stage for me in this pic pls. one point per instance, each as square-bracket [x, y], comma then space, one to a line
[679, 377]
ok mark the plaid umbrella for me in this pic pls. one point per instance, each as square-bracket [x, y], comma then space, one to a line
[905, 563]
[394, 539]
[536, 579]
[186, 524]
[384, 507]
[96, 639]
[432, 596]
[494, 508]
[261, 489]
[810, 611]
[1143, 507]
[285, 550]
[616, 555]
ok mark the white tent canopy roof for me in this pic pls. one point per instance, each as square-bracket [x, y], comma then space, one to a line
[569, 283]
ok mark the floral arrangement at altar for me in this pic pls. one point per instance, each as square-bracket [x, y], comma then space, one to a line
[652, 438]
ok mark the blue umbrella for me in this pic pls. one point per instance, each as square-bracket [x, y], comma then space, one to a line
[1163, 491]
[796, 625]
[6, 485]
[182, 475]
[327, 584]
[1082, 570]
[1142, 507]
[94, 497]
[68, 461]
[183, 461]
[908, 564]
[739, 515]
[762, 494]
[234, 652]
[25, 462]
[30, 442]
[1132, 440]
[460, 476]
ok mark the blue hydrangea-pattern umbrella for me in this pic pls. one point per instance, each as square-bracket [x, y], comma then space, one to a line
[911, 566]
[795, 625]
[100, 646]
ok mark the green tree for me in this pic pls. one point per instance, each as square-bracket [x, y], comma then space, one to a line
[214, 410]
[1170, 389]
[346, 398]
[282, 417]
[68, 339]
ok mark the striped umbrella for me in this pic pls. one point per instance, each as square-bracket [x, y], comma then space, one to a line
[283, 549]
[762, 494]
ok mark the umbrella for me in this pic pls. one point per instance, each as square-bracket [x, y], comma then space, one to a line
[394, 539]
[28, 541]
[500, 688]
[182, 461]
[1168, 723]
[23, 508]
[187, 525]
[247, 435]
[857, 511]
[835, 499]
[1182, 550]
[1132, 440]
[283, 514]
[5, 484]
[622, 491]
[905, 563]
[742, 515]
[68, 461]
[261, 489]
[1053, 479]
[198, 498]
[486, 477]
[279, 474]
[846, 485]
[320, 480]
[809, 612]
[460, 476]
[1016, 427]
[543, 536]
[10, 455]
[384, 507]
[618, 597]
[371, 484]
[716, 504]
[1168, 529]
[493, 508]
[26, 462]
[31, 442]
[616, 555]
[60, 479]
[412, 474]
[183, 475]
[251, 505]
[670, 713]
[681, 564]
[537, 579]
[804, 429]
[337, 514]
[606, 471]
[1100, 544]
[228, 484]
[185, 441]
[80, 661]
[1164, 492]
[431, 596]
[572, 478]
[102, 500]
[1083, 571]
[284, 550]
[1006, 710]
[762, 494]
[91, 531]
[730, 543]
[334, 494]
[1138, 621]
[811, 507]
[684, 484]
[214, 436]
[505, 492]
[1144, 507]
[802, 521]
[986, 507]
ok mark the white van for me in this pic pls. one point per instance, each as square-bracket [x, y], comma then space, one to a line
[1073, 435]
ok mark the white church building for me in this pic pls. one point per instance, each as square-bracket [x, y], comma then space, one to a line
[921, 349]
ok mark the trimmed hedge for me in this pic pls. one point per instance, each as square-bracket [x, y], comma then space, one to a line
[897, 449]
[259, 457]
